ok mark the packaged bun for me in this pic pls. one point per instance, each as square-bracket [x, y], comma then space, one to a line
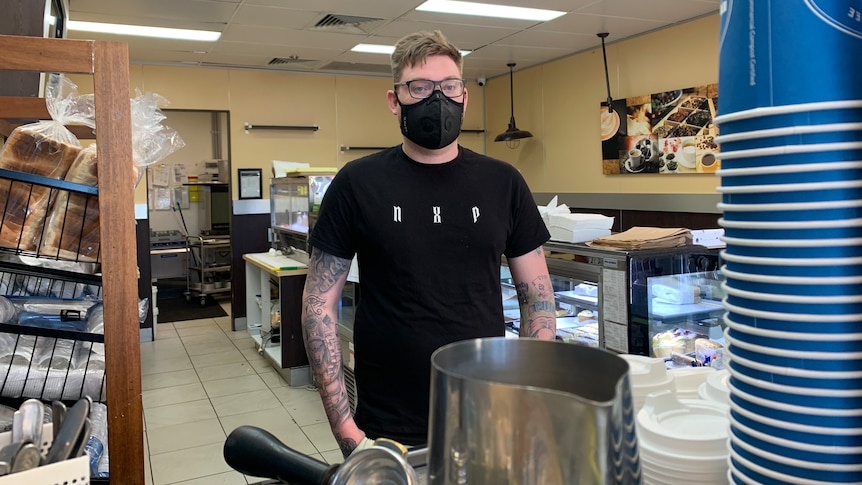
[47, 149]
[30, 150]
[72, 231]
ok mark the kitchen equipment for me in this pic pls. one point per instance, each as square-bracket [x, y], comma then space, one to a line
[531, 412]
[69, 437]
[32, 413]
[254, 451]
[58, 412]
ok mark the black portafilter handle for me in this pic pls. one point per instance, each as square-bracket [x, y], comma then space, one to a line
[253, 451]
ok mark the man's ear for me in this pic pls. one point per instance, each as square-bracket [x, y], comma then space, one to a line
[392, 101]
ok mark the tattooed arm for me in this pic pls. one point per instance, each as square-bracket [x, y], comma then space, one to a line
[535, 295]
[326, 277]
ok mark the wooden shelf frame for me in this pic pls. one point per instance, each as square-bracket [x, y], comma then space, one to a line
[108, 63]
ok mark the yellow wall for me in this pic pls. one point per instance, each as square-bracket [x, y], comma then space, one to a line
[559, 101]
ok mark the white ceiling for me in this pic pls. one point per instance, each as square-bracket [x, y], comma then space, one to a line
[254, 32]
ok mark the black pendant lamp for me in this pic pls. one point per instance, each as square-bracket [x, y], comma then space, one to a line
[603, 35]
[512, 133]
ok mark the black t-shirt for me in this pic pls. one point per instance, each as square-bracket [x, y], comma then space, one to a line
[429, 240]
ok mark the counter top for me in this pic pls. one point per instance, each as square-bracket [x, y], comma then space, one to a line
[278, 265]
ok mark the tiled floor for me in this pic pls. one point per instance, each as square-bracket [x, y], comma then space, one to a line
[200, 381]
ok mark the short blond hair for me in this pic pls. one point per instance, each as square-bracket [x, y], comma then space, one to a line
[413, 49]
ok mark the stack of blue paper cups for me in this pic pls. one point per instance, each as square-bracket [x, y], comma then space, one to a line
[790, 118]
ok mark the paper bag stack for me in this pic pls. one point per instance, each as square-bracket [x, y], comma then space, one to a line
[645, 238]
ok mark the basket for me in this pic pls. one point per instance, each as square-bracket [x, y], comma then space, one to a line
[73, 471]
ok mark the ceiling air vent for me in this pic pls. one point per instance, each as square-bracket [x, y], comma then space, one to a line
[277, 61]
[347, 23]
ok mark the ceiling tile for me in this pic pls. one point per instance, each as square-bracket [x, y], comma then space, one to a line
[281, 18]
[665, 11]
[471, 38]
[150, 10]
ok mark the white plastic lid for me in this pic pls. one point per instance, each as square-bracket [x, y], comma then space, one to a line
[688, 427]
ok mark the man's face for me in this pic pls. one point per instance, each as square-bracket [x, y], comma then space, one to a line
[434, 68]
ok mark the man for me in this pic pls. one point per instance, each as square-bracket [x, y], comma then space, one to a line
[428, 221]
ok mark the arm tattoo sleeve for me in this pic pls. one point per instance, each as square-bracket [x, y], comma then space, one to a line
[319, 329]
[538, 311]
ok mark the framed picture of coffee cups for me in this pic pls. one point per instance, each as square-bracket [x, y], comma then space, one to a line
[670, 132]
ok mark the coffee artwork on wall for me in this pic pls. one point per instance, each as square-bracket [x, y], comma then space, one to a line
[670, 132]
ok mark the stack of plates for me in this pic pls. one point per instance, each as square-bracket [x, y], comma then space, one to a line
[791, 149]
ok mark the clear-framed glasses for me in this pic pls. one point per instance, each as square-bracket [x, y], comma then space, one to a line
[422, 88]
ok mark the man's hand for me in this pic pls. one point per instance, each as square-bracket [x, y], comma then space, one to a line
[364, 443]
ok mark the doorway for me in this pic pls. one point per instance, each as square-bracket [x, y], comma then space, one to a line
[190, 250]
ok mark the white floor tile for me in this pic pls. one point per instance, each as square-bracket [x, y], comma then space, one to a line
[307, 412]
[224, 357]
[320, 435]
[233, 385]
[224, 371]
[203, 322]
[168, 379]
[158, 366]
[211, 328]
[175, 414]
[189, 463]
[277, 422]
[173, 395]
[244, 403]
[188, 435]
[229, 478]
[332, 457]
[200, 381]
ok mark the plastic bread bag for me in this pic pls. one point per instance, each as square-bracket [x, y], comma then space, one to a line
[45, 148]
[151, 140]
[72, 229]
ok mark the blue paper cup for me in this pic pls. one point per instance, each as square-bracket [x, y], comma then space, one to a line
[797, 369]
[810, 340]
[768, 179]
[791, 193]
[791, 155]
[812, 382]
[797, 469]
[794, 248]
[818, 324]
[826, 267]
[815, 435]
[775, 52]
[799, 115]
[802, 211]
[825, 305]
[810, 229]
[801, 286]
[791, 135]
[794, 449]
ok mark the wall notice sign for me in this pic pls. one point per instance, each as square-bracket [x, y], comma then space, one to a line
[250, 183]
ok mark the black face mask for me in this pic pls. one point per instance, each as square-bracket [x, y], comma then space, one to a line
[432, 123]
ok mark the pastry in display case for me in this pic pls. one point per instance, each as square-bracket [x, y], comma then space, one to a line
[576, 303]
[685, 318]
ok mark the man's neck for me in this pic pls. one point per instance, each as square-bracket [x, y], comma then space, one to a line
[424, 155]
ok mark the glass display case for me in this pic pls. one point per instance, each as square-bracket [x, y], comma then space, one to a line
[576, 298]
[294, 202]
[620, 277]
[686, 327]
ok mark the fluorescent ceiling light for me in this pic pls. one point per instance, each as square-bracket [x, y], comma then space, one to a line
[384, 49]
[374, 48]
[489, 10]
[144, 31]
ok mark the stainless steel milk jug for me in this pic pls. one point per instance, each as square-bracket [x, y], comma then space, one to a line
[530, 412]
